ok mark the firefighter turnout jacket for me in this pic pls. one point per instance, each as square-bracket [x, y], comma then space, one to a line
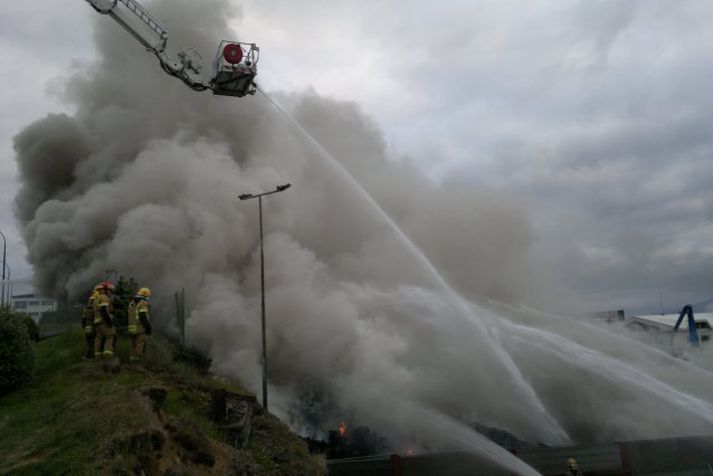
[103, 310]
[139, 317]
[88, 314]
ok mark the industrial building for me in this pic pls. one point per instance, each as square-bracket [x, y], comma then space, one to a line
[666, 323]
[33, 305]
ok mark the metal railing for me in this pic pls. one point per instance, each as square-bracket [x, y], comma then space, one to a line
[145, 17]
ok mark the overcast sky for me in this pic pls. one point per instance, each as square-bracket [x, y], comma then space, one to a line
[596, 114]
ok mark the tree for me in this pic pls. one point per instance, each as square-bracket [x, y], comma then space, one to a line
[33, 331]
[123, 293]
[17, 360]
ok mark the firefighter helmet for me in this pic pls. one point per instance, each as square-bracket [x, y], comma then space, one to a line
[108, 286]
[144, 293]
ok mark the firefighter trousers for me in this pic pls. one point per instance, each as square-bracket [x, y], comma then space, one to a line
[90, 346]
[104, 341]
[138, 345]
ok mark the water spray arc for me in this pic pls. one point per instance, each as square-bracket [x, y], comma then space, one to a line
[494, 325]
[557, 432]
[139, 23]
[363, 317]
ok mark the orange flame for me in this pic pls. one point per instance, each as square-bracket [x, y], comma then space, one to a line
[342, 429]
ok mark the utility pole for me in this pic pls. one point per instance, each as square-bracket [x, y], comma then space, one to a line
[248, 196]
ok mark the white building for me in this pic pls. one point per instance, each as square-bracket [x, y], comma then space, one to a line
[666, 323]
[33, 305]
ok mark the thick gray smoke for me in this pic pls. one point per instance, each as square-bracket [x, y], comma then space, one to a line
[144, 179]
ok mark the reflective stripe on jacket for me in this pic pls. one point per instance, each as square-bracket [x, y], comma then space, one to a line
[102, 301]
[135, 308]
[88, 314]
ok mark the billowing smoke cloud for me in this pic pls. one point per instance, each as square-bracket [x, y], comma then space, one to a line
[144, 179]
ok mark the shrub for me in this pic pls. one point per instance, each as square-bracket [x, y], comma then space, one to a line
[16, 358]
[64, 318]
[193, 357]
[123, 293]
[33, 332]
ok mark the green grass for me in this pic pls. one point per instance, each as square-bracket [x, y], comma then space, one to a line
[72, 412]
[71, 409]
[57, 423]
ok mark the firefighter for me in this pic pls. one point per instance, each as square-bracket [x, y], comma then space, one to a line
[104, 322]
[572, 468]
[88, 323]
[139, 324]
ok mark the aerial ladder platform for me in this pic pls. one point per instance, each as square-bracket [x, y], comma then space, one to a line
[234, 67]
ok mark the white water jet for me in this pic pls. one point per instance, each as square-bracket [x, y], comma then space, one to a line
[356, 315]
[495, 325]
[556, 432]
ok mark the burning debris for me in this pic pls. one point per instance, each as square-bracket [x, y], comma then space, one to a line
[145, 176]
[341, 443]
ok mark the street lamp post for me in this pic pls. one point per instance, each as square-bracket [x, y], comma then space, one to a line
[248, 196]
[4, 258]
[9, 288]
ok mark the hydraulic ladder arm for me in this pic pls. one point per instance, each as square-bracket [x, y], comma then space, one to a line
[236, 62]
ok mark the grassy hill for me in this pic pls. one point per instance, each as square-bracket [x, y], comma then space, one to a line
[83, 417]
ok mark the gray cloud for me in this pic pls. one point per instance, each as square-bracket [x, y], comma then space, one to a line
[551, 190]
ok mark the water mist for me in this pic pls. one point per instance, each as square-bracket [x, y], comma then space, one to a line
[371, 293]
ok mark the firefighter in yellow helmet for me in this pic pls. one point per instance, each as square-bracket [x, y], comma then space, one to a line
[139, 324]
[88, 322]
[572, 468]
[104, 322]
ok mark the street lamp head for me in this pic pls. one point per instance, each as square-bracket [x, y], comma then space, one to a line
[245, 196]
[281, 188]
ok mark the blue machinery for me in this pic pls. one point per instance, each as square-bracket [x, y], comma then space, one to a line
[692, 332]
